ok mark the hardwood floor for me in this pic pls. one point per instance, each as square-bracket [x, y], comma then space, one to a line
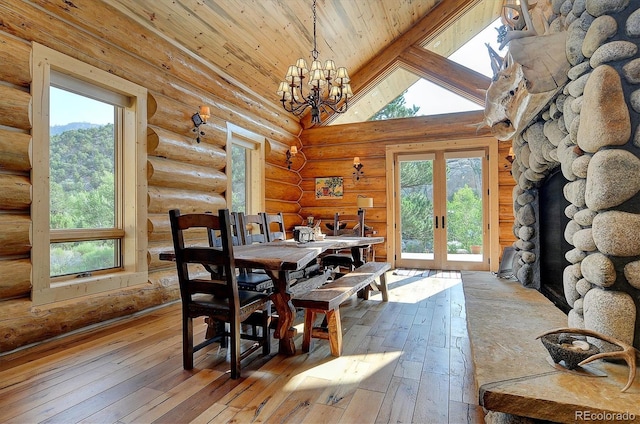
[407, 360]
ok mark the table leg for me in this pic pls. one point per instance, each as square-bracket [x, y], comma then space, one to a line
[284, 331]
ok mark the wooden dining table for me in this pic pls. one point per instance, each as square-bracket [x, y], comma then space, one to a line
[279, 260]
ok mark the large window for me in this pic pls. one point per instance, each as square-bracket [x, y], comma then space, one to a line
[245, 192]
[89, 207]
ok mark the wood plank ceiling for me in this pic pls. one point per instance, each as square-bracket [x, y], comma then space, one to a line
[252, 42]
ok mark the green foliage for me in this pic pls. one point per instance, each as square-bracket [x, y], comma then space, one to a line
[395, 109]
[464, 209]
[80, 157]
[82, 195]
[417, 223]
[71, 258]
[416, 180]
[238, 179]
[82, 185]
[465, 219]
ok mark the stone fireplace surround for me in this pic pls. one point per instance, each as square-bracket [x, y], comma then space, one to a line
[590, 131]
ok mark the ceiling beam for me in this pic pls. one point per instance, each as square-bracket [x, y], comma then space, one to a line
[446, 73]
[376, 69]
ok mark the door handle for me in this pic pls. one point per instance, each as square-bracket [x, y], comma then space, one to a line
[436, 221]
[442, 221]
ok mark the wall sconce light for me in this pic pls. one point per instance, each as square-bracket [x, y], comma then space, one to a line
[292, 152]
[511, 156]
[358, 167]
[200, 118]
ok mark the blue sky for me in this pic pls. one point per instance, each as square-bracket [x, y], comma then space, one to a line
[68, 107]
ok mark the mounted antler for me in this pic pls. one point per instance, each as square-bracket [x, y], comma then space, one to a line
[628, 352]
[518, 30]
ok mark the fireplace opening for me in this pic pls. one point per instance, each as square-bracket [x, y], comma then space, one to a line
[552, 244]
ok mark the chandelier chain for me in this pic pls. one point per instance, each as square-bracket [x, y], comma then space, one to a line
[314, 52]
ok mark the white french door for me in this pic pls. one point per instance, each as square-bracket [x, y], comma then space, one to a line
[441, 203]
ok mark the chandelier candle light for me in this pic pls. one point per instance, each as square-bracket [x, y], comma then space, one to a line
[328, 87]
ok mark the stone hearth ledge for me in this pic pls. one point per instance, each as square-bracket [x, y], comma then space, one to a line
[512, 371]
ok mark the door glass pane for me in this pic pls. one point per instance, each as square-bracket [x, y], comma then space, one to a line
[416, 209]
[238, 178]
[464, 207]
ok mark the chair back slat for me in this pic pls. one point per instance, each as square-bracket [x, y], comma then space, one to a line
[237, 239]
[252, 227]
[276, 220]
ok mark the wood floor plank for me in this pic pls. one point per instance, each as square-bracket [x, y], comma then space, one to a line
[433, 399]
[363, 408]
[161, 405]
[406, 360]
[216, 413]
[269, 400]
[383, 362]
[437, 360]
[399, 401]
[415, 348]
[298, 404]
[349, 371]
[463, 413]
[354, 338]
[74, 400]
[324, 414]
[122, 407]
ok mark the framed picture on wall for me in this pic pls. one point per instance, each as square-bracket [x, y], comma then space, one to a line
[329, 188]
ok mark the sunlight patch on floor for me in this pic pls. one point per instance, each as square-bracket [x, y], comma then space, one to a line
[348, 369]
[420, 287]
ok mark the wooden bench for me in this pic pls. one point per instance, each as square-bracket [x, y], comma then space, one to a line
[327, 299]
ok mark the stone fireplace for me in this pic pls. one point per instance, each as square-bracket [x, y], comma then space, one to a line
[577, 167]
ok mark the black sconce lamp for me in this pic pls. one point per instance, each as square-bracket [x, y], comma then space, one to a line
[357, 165]
[292, 152]
[200, 118]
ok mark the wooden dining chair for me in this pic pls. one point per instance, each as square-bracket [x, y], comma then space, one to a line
[217, 297]
[248, 278]
[354, 227]
[237, 239]
[253, 228]
[276, 220]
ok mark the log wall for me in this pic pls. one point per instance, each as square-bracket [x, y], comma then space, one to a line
[507, 184]
[181, 173]
[330, 151]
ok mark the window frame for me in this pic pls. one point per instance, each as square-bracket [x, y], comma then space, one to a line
[257, 148]
[130, 177]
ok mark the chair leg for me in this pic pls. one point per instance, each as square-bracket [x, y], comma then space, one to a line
[187, 342]
[235, 348]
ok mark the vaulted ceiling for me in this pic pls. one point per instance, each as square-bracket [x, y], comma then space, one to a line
[252, 42]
